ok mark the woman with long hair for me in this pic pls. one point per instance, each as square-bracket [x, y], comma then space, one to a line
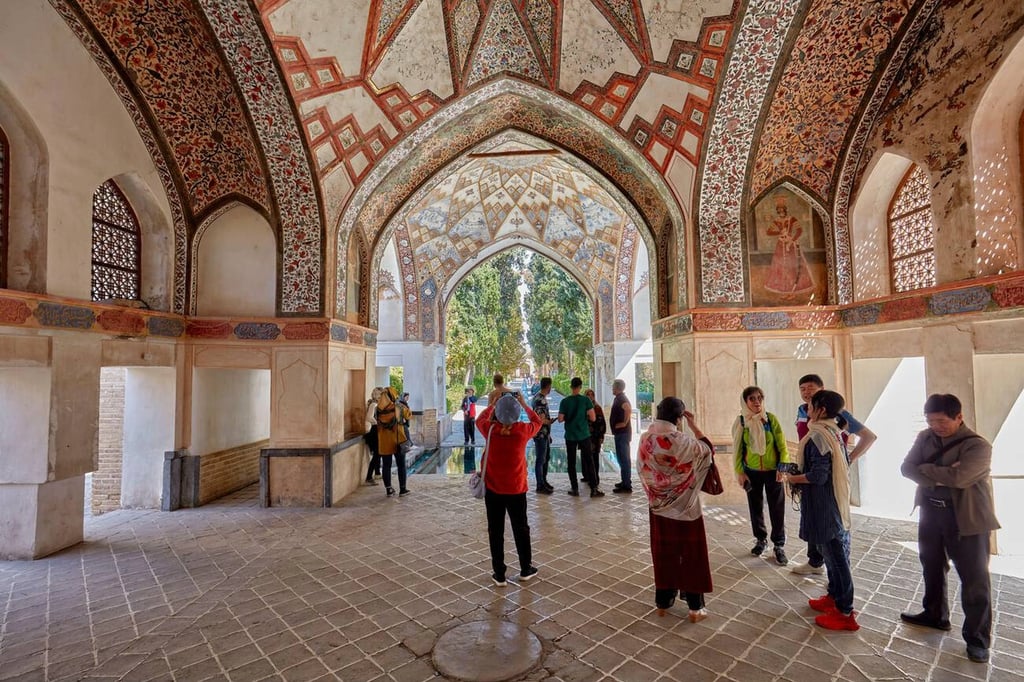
[371, 436]
[824, 488]
[504, 464]
[759, 448]
[672, 465]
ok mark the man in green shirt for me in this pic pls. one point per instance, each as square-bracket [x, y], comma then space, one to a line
[577, 411]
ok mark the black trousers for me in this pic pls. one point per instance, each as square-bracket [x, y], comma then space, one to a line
[938, 541]
[764, 487]
[469, 429]
[587, 460]
[497, 506]
[386, 461]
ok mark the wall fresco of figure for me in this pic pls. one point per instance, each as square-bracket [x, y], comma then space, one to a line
[786, 252]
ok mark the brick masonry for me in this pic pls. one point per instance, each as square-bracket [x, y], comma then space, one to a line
[106, 480]
[226, 471]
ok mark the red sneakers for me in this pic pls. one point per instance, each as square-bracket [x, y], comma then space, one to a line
[823, 604]
[833, 620]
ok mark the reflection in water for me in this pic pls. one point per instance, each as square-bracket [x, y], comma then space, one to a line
[458, 460]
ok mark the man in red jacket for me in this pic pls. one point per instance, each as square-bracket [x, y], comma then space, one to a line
[505, 479]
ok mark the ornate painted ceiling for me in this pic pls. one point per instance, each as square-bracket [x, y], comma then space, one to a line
[366, 72]
[330, 115]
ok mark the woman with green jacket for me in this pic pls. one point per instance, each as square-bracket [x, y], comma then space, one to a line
[759, 449]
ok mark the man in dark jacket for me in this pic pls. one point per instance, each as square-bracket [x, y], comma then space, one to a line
[951, 466]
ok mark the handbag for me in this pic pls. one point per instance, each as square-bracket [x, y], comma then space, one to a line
[713, 481]
[476, 480]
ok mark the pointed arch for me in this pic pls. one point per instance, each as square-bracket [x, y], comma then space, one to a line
[26, 166]
[997, 162]
[869, 230]
[498, 106]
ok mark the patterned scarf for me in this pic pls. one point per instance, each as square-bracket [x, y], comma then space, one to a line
[665, 463]
[826, 436]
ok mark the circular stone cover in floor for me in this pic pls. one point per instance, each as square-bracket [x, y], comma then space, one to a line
[486, 651]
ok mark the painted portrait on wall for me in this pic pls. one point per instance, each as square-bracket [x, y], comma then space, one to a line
[786, 252]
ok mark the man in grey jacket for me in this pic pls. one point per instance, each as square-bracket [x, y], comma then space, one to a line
[951, 466]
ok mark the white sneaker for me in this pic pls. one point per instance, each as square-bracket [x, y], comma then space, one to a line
[806, 569]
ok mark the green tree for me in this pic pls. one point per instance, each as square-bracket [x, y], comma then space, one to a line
[560, 319]
[484, 325]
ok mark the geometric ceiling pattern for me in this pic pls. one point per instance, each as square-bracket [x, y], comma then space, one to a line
[516, 192]
[246, 98]
[367, 72]
[517, 187]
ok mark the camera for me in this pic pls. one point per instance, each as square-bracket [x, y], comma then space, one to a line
[789, 468]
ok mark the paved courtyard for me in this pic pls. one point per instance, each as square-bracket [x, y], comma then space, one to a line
[362, 591]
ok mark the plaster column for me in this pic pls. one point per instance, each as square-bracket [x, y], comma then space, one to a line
[949, 364]
[48, 441]
[956, 255]
[618, 360]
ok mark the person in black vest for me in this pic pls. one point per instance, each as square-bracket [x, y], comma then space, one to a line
[542, 441]
[951, 465]
[620, 420]
[469, 416]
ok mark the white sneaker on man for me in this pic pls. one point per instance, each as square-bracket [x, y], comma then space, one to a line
[807, 569]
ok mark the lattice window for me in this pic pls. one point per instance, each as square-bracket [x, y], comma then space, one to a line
[911, 233]
[5, 188]
[116, 245]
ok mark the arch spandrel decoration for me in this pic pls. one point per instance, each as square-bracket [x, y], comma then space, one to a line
[517, 186]
[483, 113]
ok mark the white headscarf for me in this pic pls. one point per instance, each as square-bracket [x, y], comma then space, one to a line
[755, 423]
[826, 436]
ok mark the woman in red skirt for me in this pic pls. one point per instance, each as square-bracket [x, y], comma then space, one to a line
[672, 465]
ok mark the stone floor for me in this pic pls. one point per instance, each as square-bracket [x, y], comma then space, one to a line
[362, 591]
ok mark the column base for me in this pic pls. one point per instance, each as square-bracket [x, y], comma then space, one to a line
[38, 520]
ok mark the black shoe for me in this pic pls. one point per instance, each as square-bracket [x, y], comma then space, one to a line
[403, 493]
[543, 491]
[528, 574]
[550, 488]
[780, 556]
[390, 491]
[758, 548]
[574, 492]
[622, 489]
[977, 654]
[499, 582]
[596, 493]
[369, 481]
[923, 620]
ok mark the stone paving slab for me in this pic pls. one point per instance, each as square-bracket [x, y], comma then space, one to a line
[362, 591]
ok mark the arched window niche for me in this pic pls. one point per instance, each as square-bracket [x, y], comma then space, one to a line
[116, 246]
[912, 233]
